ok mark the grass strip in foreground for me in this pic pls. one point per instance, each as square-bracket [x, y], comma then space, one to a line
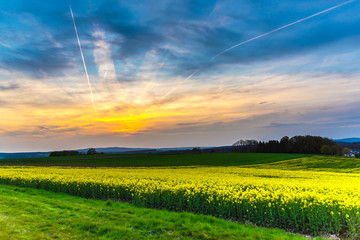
[38, 214]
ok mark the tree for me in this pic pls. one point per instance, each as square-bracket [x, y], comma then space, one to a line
[336, 150]
[91, 151]
[326, 149]
[297, 144]
[245, 146]
[312, 145]
[284, 144]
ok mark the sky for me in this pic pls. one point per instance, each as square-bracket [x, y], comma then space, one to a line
[160, 75]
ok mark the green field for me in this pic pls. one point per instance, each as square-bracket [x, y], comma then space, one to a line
[317, 163]
[37, 214]
[205, 159]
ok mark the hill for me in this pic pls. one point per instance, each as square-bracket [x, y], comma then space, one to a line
[24, 155]
[120, 150]
[347, 140]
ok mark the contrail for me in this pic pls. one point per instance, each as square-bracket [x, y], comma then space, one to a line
[285, 26]
[177, 85]
[82, 56]
[260, 36]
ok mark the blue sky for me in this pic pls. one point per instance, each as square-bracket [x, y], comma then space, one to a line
[141, 55]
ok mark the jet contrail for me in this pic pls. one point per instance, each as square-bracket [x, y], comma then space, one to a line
[177, 85]
[260, 36]
[82, 56]
[285, 26]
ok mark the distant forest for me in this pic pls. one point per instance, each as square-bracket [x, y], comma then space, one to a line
[64, 153]
[297, 144]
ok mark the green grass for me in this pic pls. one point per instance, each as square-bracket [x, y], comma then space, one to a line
[317, 163]
[37, 214]
[204, 159]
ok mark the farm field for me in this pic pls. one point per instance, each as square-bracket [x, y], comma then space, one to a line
[316, 163]
[31, 214]
[310, 200]
[206, 159]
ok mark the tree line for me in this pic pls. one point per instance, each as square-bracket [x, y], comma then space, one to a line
[63, 153]
[297, 144]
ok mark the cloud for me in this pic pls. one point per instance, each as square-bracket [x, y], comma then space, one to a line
[189, 33]
[9, 87]
[189, 124]
[37, 63]
[280, 125]
[38, 47]
[102, 57]
[41, 131]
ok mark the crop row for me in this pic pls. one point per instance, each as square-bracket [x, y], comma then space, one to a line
[306, 202]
